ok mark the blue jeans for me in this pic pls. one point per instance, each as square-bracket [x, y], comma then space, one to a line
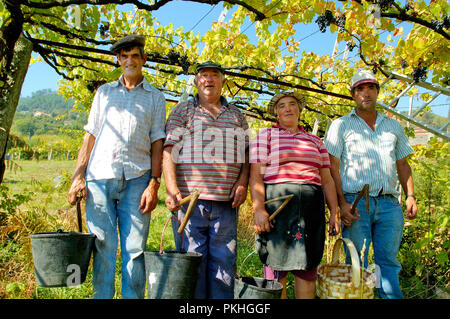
[383, 226]
[110, 205]
[211, 231]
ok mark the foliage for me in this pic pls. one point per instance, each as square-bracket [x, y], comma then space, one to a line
[260, 46]
[424, 253]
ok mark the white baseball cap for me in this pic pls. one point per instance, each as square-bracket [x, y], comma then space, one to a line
[362, 77]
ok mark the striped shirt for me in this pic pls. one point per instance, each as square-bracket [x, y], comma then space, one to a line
[208, 151]
[124, 124]
[290, 158]
[368, 156]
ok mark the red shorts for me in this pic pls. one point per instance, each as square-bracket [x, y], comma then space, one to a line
[308, 275]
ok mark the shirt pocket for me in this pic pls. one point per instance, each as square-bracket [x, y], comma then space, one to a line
[356, 144]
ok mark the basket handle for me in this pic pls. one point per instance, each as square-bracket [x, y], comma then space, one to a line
[356, 274]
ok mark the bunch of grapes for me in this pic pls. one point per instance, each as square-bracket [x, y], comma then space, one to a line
[385, 4]
[94, 85]
[325, 20]
[184, 64]
[419, 74]
[173, 57]
[403, 63]
[340, 22]
[104, 27]
[177, 59]
[447, 22]
[350, 46]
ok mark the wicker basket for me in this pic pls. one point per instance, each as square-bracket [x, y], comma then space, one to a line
[342, 281]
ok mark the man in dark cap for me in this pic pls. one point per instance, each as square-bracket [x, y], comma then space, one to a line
[206, 149]
[118, 170]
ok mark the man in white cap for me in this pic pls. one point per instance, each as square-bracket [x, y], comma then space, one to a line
[118, 170]
[367, 147]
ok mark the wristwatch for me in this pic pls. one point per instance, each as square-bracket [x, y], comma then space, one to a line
[410, 195]
[158, 179]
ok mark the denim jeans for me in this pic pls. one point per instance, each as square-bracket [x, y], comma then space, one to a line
[112, 205]
[383, 226]
[211, 231]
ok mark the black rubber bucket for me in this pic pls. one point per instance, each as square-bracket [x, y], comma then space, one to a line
[60, 258]
[256, 288]
[171, 274]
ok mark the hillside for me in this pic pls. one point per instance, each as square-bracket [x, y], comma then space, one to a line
[46, 112]
[46, 101]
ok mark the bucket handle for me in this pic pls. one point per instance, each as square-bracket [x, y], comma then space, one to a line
[245, 259]
[164, 229]
[354, 258]
[79, 218]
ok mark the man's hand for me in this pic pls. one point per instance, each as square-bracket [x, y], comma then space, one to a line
[149, 198]
[346, 216]
[411, 208]
[173, 200]
[77, 189]
[238, 194]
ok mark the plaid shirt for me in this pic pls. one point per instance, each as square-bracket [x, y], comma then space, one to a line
[124, 124]
[368, 156]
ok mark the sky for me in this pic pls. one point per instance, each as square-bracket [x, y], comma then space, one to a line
[199, 17]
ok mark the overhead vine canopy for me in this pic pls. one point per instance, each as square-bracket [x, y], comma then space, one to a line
[408, 37]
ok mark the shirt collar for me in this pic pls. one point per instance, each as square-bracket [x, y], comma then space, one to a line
[380, 116]
[223, 101]
[143, 83]
[300, 128]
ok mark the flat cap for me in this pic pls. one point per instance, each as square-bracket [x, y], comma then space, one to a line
[209, 64]
[128, 42]
[271, 107]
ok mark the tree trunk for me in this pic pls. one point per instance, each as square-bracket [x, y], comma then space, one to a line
[11, 92]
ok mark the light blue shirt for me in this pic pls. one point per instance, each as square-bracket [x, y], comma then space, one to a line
[368, 156]
[124, 124]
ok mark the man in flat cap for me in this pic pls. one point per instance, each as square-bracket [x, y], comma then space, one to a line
[206, 149]
[367, 147]
[118, 170]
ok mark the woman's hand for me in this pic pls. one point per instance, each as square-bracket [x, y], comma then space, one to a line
[334, 225]
[261, 221]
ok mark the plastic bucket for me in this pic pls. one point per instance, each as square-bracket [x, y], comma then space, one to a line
[256, 288]
[61, 258]
[171, 274]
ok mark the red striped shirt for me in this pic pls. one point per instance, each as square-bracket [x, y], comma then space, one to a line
[290, 158]
[209, 151]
